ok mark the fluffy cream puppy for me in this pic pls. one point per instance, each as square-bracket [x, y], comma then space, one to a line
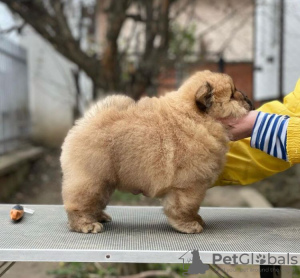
[172, 147]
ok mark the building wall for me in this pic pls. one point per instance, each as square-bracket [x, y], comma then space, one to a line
[14, 112]
[221, 27]
[51, 90]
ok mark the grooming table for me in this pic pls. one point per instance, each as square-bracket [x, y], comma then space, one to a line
[142, 235]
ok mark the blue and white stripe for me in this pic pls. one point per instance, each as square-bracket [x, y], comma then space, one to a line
[269, 134]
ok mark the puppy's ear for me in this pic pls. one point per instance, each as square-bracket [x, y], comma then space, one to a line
[204, 97]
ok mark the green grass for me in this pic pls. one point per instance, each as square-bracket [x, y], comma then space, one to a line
[296, 271]
[126, 198]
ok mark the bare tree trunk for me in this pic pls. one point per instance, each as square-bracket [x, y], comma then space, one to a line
[76, 108]
[110, 62]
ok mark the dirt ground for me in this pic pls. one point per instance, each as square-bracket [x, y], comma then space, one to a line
[43, 186]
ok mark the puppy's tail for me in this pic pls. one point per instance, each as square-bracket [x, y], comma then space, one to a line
[119, 102]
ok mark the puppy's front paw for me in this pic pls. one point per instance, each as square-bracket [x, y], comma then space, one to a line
[104, 217]
[94, 228]
[192, 227]
[201, 221]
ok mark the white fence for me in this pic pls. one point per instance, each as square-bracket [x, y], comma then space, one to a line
[14, 115]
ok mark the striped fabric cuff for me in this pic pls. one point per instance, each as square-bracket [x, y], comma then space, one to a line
[269, 134]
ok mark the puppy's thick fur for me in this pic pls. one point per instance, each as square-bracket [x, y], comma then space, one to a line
[172, 147]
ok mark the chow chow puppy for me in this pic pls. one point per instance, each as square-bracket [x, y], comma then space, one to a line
[172, 147]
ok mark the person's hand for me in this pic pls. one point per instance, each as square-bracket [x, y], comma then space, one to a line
[242, 127]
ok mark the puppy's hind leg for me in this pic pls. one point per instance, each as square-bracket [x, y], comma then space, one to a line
[181, 207]
[84, 203]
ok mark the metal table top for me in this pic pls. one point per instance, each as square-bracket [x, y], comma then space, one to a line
[142, 234]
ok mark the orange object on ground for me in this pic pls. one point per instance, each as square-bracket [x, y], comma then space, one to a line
[16, 213]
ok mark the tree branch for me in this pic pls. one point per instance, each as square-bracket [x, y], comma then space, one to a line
[182, 8]
[64, 30]
[234, 32]
[223, 20]
[136, 17]
[51, 28]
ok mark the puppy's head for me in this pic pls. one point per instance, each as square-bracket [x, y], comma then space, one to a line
[216, 95]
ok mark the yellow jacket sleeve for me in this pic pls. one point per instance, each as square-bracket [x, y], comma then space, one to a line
[246, 165]
[293, 140]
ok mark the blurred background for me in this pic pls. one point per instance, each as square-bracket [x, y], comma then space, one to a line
[58, 56]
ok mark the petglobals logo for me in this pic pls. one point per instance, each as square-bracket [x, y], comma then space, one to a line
[251, 258]
[194, 262]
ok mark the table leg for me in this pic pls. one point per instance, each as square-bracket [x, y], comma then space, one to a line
[276, 271]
